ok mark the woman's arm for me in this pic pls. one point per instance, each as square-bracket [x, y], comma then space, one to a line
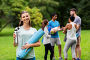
[14, 44]
[46, 33]
[37, 44]
[65, 28]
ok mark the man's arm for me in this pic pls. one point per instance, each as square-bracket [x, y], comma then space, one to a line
[78, 22]
[58, 25]
[77, 27]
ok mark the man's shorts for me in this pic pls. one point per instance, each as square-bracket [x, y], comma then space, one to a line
[55, 41]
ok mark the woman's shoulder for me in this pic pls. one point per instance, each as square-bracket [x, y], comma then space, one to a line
[45, 28]
[34, 29]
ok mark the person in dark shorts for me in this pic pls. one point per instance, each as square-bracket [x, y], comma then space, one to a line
[46, 40]
[77, 20]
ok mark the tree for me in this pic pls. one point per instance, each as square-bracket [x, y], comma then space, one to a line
[47, 7]
[82, 7]
[84, 13]
[10, 12]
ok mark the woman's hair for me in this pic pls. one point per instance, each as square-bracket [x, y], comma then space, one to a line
[72, 18]
[21, 22]
[44, 23]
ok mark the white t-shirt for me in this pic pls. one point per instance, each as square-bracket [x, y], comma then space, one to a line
[23, 37]
[46, 36]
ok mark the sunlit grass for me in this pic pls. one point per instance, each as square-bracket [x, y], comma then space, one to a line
[8, 52]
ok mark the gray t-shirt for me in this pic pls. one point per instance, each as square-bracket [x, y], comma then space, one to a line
[78, 22]
[23, 37]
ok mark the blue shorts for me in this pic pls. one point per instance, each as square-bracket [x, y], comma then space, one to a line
[17, 58]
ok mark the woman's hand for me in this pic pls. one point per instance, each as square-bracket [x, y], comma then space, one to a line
[26, 46]
[14, 36]
[37, 44]
[63, 29]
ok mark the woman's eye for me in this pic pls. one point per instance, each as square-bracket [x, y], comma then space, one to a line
[26, 15]
[23, 16]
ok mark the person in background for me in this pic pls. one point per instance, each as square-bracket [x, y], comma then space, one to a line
[77, 20]
[55, 39]
[71, 29]
[46, 40]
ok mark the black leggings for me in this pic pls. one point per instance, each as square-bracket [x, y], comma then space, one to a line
[48, 47]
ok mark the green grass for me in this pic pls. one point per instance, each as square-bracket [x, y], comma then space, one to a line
[8, 52]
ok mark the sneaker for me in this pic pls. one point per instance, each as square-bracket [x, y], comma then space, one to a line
[53, 58]
[60, 58]
[77, 58]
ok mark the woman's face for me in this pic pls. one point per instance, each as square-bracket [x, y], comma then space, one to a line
[25, 18]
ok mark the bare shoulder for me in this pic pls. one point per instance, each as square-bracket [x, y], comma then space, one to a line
[69, 26]
[75, 25]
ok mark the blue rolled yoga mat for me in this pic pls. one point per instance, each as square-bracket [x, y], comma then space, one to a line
[32, 40]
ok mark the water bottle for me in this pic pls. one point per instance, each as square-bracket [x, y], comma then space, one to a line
[16, 33]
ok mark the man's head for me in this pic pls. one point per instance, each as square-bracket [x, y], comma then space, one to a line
[54, 16]
[73, 11]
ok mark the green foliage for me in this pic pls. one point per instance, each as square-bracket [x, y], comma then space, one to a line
[47, 7]
[84, 13]
[11, 9]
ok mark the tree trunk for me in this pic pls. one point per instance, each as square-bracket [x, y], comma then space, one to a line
[5, 25]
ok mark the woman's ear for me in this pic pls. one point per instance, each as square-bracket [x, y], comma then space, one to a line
[21, 19]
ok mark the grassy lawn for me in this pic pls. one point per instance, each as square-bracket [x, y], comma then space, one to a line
[8, 52]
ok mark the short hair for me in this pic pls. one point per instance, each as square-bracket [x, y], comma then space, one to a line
[72, 18]
[73, 9]
[53, 14]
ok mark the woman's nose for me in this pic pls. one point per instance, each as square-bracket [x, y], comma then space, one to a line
[27, 18]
